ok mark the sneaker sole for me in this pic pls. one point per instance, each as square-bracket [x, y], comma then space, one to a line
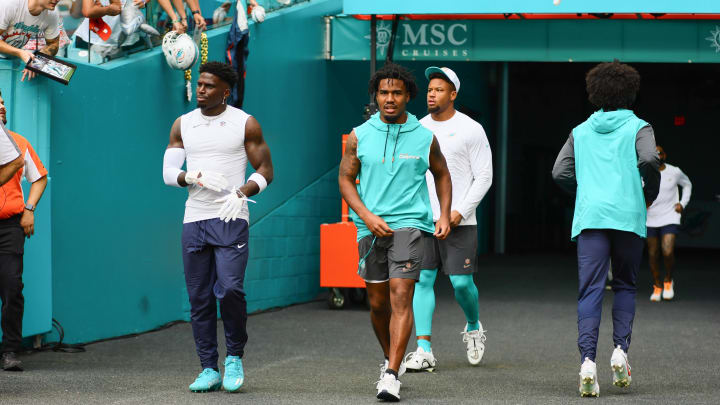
[420, 370]
[620, 378]
[587, 387]
[17, 367]
[211, 389]
[386, 396]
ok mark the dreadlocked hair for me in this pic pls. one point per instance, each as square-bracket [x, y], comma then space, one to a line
[393, 71]
[223, 71]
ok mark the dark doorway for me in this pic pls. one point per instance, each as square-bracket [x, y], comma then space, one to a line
[547, 100]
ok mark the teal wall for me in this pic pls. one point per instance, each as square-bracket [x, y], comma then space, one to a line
[27, 112]
[116, 230]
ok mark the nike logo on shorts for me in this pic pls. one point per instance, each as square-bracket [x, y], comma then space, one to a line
[241, 246]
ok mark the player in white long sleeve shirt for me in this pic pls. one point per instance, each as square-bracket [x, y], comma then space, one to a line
[663, 224]
[467, 152]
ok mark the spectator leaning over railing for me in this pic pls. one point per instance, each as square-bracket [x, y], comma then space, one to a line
[17, 221]
[237, 45]
[21, 20]
[179, 18]
[101, 31]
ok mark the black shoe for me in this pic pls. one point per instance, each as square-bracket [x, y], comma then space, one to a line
[10, 362]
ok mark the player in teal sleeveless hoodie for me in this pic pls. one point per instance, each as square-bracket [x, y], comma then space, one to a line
[605, 161]
[390, 154]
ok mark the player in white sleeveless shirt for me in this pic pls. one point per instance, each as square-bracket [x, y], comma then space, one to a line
[217, 141]
[663, 224]
[467, 152]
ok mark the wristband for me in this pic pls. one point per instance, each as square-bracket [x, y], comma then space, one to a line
[196, 12]
[259, 180]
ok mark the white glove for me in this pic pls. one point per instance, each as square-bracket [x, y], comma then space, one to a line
[210, 180]
[232, 205]
[258, 14]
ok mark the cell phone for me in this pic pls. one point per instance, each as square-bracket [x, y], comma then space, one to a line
[51, 67]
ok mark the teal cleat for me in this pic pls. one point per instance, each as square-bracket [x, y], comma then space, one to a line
[234, 375]
[207, 380]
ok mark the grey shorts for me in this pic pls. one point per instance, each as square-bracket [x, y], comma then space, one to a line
[457, 254]
[396, 256]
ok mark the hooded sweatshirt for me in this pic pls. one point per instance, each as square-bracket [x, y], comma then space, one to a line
[393, 162]
[609, 163]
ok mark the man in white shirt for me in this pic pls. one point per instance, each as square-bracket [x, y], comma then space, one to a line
[663, 224]
[217, 141]
[23, 20]
[469, 159]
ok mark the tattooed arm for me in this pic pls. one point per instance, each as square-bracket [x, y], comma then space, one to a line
[349, 169]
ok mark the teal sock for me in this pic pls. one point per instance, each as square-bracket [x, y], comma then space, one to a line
[425, 344]
[466, 294]
[424, 303]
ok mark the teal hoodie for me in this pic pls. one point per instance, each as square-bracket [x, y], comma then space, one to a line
[393, 161]
[610, 191]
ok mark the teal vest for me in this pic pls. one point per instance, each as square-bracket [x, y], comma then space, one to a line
[609, 192]
[394, 159]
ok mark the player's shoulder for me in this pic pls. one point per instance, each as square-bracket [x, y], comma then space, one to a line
[236, 113]
[671, 168]
[471, 127]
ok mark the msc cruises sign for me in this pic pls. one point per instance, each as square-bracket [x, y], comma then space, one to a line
[424, 40]
[540, 40]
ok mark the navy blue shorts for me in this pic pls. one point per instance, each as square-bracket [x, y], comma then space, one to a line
[662, 230]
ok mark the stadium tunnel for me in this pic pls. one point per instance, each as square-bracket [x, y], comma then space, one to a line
[522, 77]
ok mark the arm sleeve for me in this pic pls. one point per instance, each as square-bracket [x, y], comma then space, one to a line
[53, 28]
[563, 171]
[648, 162]
[482, 172]
[172, 165]
[686, 186]
[34, 169]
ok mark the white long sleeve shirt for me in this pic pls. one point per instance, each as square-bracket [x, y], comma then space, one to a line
[662, 211]
[466, 149]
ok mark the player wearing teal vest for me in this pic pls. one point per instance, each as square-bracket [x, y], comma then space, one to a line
[390, 154]
[605, 161]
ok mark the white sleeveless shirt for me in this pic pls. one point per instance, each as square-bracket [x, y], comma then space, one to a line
[215, 144]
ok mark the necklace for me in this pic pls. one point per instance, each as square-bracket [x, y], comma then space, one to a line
[208, 121]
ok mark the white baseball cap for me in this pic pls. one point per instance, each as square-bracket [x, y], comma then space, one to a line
[447, 72]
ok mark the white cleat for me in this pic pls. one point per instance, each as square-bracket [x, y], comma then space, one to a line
[420, 360]
[474, 344]
[668, 290]
[384, 366]
[588, 385]
[388, 388]
[621, 368]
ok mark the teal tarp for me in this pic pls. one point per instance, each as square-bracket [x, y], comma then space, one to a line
[528, 6]
[679, 41]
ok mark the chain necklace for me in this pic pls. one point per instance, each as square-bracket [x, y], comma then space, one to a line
[209, 121]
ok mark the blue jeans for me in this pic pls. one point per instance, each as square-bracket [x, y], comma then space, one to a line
[595, 248]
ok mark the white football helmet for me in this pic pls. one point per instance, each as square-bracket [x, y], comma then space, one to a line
[180, 51]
